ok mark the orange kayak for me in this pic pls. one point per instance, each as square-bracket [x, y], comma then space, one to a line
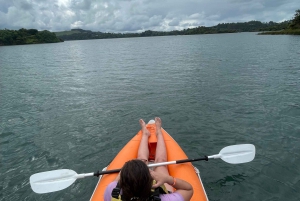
[185, 171]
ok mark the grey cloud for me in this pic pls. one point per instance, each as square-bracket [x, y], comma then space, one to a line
[155, 21]
[174, 22]
[4, 5]
[82, 5]
[25, 5]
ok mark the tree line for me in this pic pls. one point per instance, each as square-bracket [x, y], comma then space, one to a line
[27, 36]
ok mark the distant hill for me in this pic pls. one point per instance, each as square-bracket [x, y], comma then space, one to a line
[80, 34]
[251, 26]
[72, 31]
[27, 36]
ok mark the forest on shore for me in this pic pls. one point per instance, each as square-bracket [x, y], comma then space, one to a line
[27, 36]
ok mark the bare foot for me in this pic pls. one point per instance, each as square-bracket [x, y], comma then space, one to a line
[144, 129]
[158, 125]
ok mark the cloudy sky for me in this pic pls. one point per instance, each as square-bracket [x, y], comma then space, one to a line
[138, 15]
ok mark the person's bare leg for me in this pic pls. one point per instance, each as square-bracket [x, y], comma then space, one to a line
[161, 152]
[143, 152]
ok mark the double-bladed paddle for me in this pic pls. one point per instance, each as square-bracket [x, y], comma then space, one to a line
[51, 181]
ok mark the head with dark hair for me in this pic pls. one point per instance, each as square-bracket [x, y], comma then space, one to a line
[135, 180]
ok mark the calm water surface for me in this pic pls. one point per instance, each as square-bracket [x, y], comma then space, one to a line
[75, 104]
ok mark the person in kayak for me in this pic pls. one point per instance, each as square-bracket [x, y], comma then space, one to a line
[136, 180]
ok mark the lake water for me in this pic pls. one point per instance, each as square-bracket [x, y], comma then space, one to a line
[75, 104]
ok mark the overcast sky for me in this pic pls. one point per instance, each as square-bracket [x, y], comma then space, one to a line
[138, 15]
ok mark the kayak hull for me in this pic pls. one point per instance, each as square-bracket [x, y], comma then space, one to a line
[185, 171]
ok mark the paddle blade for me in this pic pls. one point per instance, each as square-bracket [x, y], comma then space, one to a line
[51, 181]
[235, 154]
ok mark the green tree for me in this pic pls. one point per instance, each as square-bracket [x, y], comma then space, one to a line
[24, 36]
[32, 31]
[47, 37]
[295, 24]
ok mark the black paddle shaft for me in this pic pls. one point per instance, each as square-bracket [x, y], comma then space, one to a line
[97, 174]
[192, 160]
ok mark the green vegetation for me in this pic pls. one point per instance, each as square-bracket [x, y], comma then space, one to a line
[282, 32]
[293, 27]
[254, 26]
[64, 33]
[295, 24]
[26, 36]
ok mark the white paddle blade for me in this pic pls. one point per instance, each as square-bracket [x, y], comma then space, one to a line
[235, 154]
[51, 181]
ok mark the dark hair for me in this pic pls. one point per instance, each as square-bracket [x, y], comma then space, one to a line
[135, 181]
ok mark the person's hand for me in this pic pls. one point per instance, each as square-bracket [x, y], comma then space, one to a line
[160, 178]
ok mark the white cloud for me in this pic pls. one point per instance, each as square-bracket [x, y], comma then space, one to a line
[63, 3]
[77, 24]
